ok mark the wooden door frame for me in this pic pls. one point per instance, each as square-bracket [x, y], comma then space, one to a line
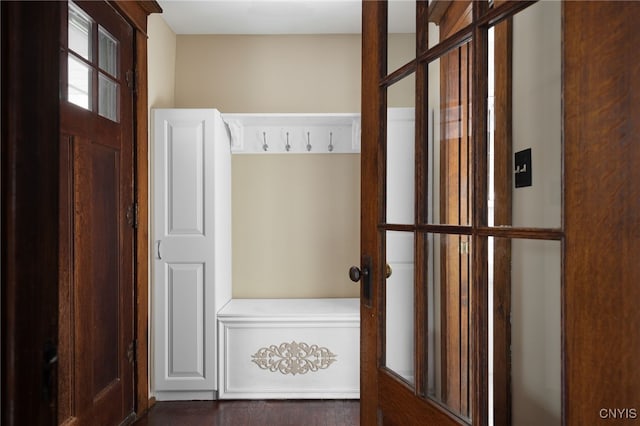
[136, 13]
[30, 219]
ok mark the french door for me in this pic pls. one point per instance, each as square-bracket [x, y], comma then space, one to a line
[461, 243]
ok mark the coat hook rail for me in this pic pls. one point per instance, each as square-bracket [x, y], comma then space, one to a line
[290, 133]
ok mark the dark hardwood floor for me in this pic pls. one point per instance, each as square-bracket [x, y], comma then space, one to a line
[254, 413]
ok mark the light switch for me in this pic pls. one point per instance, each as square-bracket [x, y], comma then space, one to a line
[522, 169]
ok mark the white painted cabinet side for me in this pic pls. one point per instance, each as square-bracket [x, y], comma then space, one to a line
[191, 249]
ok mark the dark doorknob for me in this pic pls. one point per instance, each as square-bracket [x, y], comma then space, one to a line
[355, 274]
[364, 275]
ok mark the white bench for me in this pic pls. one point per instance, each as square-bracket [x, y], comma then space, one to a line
[289, 348]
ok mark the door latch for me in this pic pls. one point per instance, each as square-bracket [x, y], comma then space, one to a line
[356, 274]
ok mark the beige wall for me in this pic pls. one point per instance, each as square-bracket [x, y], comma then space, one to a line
[296, 218]
[296, 225]
[301, 73]
[161, 62]
[161, 59]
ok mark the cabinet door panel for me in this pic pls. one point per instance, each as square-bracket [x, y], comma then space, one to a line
[191, 225]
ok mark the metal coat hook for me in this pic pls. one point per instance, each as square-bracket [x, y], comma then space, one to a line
[308, 142]
[330, 141]
[265, 146]
[288, 145]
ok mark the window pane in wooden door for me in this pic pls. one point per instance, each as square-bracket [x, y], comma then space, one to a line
[448, 281]
[80, 77]
[449, 138]
[80, 30]
[401, 37]
[525, 340]
[525, 119]
[399, 305]
[108, 94]
[108, 52]
[401, 152]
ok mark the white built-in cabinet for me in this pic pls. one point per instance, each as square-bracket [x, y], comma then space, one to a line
[191, 249]
[287, 348]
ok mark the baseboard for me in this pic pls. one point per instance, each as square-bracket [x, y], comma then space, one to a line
[186, 395]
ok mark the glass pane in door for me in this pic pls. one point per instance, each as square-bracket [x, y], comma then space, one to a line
[79, 32]
[449, 287]
[400, 163]
[401, 37]
[108, 97]
[399, 305]
[79, 87]
[108, 52]
[449, 136]
[79, 71]
[525, 119]
[525, 324]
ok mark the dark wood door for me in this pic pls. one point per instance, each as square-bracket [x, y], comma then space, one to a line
[590, 238]
[453, 238]
[96, 346]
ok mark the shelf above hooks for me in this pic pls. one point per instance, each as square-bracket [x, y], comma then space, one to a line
[294, 133]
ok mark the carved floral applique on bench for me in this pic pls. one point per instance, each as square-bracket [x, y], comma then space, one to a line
[293, 358]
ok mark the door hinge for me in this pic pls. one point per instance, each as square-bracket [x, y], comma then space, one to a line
[131, 351]
[132, 215]
[132, 80]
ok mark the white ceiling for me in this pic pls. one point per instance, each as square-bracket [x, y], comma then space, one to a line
[275, 17]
